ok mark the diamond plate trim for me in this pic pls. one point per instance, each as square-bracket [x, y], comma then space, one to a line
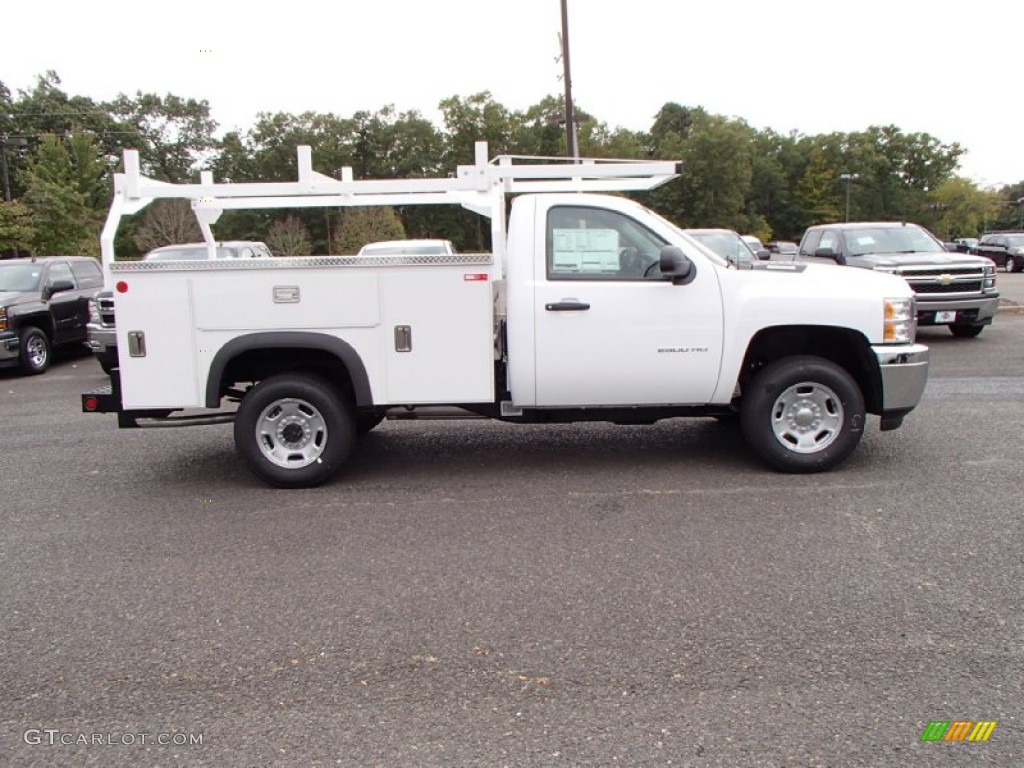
[304, 262]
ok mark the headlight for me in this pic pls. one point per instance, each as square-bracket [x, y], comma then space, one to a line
[94, 311]
[3, 318]
[989, 281]
[900, 321]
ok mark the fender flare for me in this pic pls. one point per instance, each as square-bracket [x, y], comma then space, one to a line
[293, 340]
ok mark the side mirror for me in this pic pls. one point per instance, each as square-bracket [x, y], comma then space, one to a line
[764, 254]
[674, 264]
[57, 286]
[829, 253]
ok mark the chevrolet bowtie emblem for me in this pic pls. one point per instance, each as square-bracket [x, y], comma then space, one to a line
[945, 279]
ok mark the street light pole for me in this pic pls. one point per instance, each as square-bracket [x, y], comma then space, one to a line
[849, 178]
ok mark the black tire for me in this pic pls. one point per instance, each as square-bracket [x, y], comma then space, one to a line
[35, 353]
[106, 365]
[313, 415]
[966, 332]
[365, 422]
[805, 388]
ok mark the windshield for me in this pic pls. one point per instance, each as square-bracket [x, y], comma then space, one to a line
[904, 239]
[189, 254]
[728, 245]
[20, 277]
[785, 248]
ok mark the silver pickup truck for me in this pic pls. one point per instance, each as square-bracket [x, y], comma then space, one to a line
[952, 289]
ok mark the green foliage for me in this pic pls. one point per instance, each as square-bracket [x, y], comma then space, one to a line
[360, 226]
[17, 229]
[751, 180]
[65, 195]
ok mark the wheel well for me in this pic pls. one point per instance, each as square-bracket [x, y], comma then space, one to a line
[254, 365]
[846, 348]
[253, 357]
[43, 322]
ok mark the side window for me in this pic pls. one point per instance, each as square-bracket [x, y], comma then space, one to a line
[810, 242]
[830, 239]
[60, 272]
[87, 273]
[597, 244]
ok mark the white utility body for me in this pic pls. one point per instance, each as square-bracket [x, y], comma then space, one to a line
[591, 307]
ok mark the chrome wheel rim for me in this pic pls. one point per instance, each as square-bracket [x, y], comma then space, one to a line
[807, 417]
[291, 433]
[36, 349]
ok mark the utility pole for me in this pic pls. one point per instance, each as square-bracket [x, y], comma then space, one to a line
[5, 142]
[570, 125]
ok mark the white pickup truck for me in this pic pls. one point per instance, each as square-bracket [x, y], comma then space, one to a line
[591, 307]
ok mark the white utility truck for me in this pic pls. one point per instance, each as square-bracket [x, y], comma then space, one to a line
[591, 307]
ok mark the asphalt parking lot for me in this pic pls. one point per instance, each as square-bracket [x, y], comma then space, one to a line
[480, 594]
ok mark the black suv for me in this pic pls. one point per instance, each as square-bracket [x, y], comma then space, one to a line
[1004, 248]
[44, 302]
[957, 290]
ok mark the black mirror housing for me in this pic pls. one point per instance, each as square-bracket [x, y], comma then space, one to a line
[57, 286]
[675, 265]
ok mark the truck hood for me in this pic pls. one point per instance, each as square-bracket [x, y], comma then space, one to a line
[929, 258]
[9, 298]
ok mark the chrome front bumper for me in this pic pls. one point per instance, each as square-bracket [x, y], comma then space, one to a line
[986, 306]
[904, 371]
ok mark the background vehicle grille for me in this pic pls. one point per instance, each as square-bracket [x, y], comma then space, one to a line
[969, 286]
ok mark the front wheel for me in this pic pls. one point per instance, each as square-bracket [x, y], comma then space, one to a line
[802, 414]
[294, 430]
[966, 331]
[35, 351]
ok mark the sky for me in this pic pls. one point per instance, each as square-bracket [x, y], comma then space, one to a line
[947, 69]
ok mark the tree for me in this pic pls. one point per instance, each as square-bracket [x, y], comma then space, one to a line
[289, 237]
[360, 226]
[65, 193]
[17, 229]
[817, 191]
[173, 134]
[167, 222]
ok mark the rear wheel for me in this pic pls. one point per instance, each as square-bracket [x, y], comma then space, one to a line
[294, 430]
[1012, 264]
[802, 414]
[35, 351]
[966, 331]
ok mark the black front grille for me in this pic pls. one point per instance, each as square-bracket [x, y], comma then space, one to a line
[925, 289]
[910, 273]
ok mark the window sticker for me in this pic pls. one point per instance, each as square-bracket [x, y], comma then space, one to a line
[585, 250]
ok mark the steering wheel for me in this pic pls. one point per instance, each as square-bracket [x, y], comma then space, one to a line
[652, 265]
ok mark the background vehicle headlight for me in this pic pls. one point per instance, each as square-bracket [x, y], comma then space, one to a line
[3, 318]
[989, 279]
[94, 311]
[900, 321]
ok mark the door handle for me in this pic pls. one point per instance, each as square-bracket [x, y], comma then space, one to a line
[567, 305]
